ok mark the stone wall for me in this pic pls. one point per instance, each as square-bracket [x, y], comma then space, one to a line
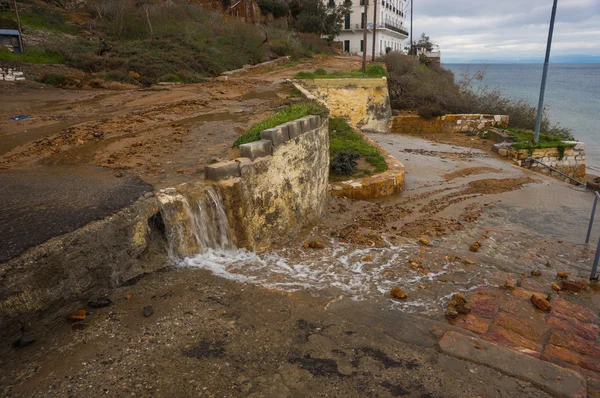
[413, 124]
[59, 276]
[571, 162]
[364, 103]
[279, 186]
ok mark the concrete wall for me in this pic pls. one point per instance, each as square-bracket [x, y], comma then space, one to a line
[413, 124]
[364, 103]
[55, 278]
[572, 162]
[280, 187]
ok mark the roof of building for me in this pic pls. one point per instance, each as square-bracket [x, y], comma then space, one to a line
[9, 32]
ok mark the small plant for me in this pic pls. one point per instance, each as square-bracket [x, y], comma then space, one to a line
[344, 163]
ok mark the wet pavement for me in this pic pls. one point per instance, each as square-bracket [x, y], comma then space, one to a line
[42, 202]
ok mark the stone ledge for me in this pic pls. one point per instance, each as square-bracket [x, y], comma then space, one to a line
[222, 170]
[553, 379]
[387, 183]
[256, 149]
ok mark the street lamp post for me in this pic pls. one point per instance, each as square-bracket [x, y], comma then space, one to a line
[538, 122]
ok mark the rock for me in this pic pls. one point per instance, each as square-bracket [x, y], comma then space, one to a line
[396, 292]
[367, 259]
[555, 287]
[509, 285]
[426, 271]
[148, 194]
[451, 314]
[562, 274]
[466, 261]
[536, 272]
[119, 174]
[414, 265]
[541, 302]
[313, 244]
[148, 311]
[170, 191]
[425, 242]
[421, 286]
[571, 286]
[79, 315]
[24, 340]
[475, 246]
[100, 302]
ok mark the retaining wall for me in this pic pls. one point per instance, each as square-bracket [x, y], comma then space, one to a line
[279, 186]
[571, 162]
[413, 124]
[59, 276]
[364, 103]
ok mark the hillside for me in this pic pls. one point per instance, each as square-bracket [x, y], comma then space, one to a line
[144, 42]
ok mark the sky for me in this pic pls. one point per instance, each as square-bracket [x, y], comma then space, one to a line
[508, 30]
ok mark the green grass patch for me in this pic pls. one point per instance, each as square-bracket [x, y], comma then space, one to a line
[524, 140]
[372, 71]
[343, 138]
[34, 55]
[287, 114]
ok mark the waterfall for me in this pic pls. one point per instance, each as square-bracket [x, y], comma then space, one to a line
[193, 226]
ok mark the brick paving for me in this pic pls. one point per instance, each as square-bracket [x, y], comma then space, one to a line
[567, 335]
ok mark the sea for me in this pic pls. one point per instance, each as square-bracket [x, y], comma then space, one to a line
[572, 95]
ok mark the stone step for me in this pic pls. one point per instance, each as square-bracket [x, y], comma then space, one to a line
[553, 379]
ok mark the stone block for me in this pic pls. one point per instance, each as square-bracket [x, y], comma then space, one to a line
[304, 124]
[277, 135]
[314, 121]
[256, 149]
[221, 171]
[294, 129]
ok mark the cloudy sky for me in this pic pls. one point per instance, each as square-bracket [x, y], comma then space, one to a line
[508, 29]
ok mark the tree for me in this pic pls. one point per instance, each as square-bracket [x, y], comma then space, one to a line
[314, 16]
[425, 43]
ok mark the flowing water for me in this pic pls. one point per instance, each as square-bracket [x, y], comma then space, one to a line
[196, 226]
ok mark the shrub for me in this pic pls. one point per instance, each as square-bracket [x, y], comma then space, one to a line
[432, 90]
[344, 163]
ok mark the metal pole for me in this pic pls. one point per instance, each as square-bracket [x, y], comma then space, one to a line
[364, 53]
[538, 122]
[596, 259]
[374, 27]
[587, 238]
[411, 28]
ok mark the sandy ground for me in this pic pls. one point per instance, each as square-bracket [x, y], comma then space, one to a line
[296, 322]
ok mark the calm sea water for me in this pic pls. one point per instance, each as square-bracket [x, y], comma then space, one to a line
[572, 95]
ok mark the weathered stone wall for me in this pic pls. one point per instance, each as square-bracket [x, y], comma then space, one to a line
[364, 103]
[572, 162]
[388, 183]
[413, 124]
[56, 277]
[280, 187]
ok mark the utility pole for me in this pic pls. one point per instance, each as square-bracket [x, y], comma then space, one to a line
[538, 122]
[18, 19]
[374, 27]
[411, 28]
[364, 52]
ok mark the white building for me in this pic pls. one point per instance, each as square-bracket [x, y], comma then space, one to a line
[389, 28]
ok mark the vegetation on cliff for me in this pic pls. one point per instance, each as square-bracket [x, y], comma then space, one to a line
[432, 91]
[146, 42]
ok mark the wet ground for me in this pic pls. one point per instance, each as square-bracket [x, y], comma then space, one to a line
[294, 321]
[117, 144]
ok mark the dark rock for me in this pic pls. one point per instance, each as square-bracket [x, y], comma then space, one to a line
[100, 302]
[571, 286]
[148, 311]
[25, 340]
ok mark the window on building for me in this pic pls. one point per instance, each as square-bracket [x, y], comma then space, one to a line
[362, 45]
[362, 20]
[347, 46]
[347, 22]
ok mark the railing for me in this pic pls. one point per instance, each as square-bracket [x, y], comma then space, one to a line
[559, 172]
[589, 233]
[396, 29]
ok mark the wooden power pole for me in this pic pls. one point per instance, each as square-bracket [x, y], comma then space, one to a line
[411, 28]
[374, 27]
[364, 50]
